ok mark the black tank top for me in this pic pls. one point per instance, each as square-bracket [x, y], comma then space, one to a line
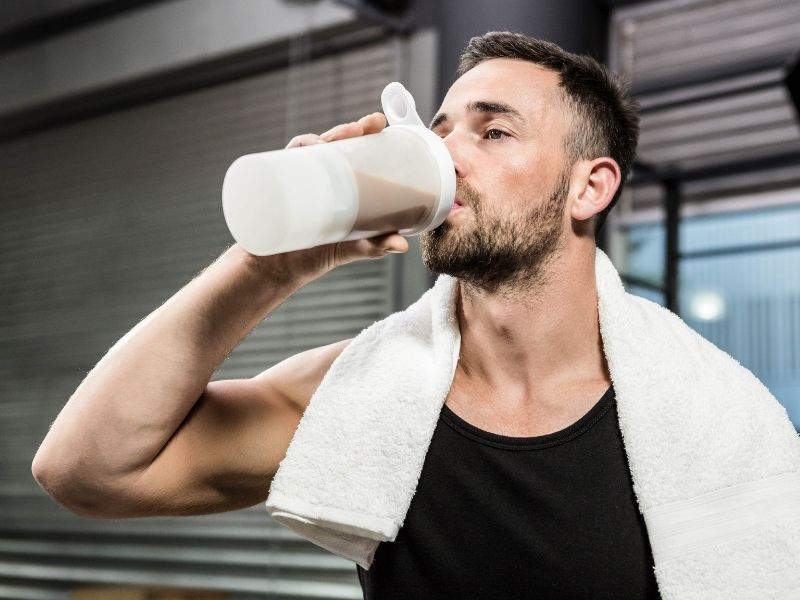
[551, 517]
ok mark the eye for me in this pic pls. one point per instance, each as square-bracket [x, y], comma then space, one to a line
[495, 134]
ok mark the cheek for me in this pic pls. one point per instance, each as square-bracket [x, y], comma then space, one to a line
[523, 181]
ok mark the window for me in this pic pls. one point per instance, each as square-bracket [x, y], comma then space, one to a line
[739, 287]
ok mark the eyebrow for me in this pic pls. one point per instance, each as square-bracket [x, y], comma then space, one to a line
[482, 106]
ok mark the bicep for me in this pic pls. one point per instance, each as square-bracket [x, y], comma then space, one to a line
[224, 454]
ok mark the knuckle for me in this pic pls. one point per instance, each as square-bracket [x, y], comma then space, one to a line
[303, 140]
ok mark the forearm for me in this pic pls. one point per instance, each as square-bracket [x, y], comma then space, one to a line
[138, 394]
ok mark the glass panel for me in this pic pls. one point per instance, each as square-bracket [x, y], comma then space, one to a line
[644, 253]
[648, 293]
[764, 226]
[748, 304]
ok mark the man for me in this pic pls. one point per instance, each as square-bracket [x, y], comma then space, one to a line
[541, 140]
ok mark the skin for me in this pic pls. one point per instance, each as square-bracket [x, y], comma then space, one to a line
[523, 250]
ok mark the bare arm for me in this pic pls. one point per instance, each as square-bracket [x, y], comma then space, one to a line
[146, 433]
[225, 453]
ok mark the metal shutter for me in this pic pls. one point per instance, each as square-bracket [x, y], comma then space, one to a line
[677, 42]
[715, 110]
[102, 221]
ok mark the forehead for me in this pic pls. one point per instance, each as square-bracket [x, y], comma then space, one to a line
[531, 89]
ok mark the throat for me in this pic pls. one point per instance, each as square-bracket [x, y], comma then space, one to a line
[548, 411]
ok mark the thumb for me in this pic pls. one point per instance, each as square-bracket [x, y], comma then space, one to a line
[376, 247]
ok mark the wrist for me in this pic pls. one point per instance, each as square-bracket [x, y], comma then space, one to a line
[293, 269]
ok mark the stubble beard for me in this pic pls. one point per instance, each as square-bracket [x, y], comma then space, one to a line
[500, 256]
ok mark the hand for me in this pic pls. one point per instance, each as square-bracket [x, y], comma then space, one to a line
[328, 256]
[373, 123]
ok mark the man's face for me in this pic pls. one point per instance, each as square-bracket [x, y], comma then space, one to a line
[504, 124]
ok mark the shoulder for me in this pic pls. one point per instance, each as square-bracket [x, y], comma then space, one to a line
[298, 377]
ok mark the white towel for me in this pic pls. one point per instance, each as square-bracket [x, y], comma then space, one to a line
[714, 458]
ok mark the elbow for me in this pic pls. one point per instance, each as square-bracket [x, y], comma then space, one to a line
[43, 473]
[79, 495]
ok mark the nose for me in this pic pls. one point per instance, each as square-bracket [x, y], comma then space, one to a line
[456, 154]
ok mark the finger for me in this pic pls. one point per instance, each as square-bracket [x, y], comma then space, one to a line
[372, 248]
[381, 245]
[343, 131]
[307, 139]
[393, 243]
[374, 123]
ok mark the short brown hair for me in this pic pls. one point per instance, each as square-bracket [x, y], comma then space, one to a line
[606, 116]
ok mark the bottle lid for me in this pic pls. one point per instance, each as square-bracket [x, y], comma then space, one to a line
[401, 111]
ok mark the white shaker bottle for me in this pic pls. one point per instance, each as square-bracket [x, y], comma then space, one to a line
[401, 179]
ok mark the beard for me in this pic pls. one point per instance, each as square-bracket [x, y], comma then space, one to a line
[505, 256]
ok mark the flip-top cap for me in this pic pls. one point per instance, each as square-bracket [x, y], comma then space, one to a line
[401, 111]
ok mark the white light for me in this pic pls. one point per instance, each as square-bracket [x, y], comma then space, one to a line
[707, 306]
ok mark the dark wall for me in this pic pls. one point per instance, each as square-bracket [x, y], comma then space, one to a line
[575, 25]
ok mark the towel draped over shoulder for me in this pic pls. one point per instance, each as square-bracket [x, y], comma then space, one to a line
[714, 458]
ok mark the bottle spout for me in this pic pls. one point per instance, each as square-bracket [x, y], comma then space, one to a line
[398, 106]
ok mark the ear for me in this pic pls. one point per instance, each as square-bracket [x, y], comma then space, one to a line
[596, 183]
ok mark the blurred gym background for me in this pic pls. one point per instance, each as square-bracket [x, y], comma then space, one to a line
[118, 119]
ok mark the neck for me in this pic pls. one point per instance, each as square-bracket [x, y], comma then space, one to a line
[525, 347]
